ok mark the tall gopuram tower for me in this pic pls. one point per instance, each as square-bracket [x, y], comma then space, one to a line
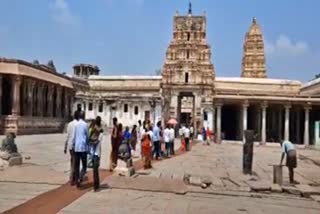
[188, 74]
[254, 61]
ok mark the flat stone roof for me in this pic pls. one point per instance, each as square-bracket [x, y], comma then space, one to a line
[124, 77]
[258, 80]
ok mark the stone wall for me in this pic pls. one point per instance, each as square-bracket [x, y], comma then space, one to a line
[31, 125]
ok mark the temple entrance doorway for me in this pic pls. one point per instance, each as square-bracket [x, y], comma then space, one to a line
[185, 110]
[231, 122]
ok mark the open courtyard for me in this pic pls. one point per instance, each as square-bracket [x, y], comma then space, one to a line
[39, 185]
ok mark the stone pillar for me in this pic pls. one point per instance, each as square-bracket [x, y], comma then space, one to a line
[95, 106]
[219, 107]
[280, 123]
[287, 122]
[66, 103]
[0, 94]
[213, 119]
[40, 112]
[306, 125]
[244, 118]
[58, 102]
[50, 100]
[29, 107]
[298, 125]
[264, 124]
[16, 82]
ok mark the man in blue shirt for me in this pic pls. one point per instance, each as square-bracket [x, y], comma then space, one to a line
[80, 138]
[156, 140]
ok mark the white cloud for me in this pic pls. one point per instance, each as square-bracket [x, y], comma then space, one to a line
[63, 15]
[283, 46]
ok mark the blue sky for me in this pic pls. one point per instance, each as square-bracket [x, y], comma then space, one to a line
[131, 36]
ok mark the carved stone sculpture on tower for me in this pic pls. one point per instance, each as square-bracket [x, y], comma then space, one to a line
[253, 61]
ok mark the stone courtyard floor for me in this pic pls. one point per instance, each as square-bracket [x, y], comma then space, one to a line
[160, 190]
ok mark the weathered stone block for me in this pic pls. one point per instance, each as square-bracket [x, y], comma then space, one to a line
[258, 186]
[195, 180]
[276, 188]
[15, 160]
[4, 155]
[291, 190]
[307, 190]
[316, 198]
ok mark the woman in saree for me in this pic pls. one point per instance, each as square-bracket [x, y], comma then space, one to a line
[146, 149]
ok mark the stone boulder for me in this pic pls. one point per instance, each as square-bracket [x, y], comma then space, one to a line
[15, 159]
[4, 155]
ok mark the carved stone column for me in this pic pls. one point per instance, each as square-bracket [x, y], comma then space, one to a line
[219, 107]
[306, 125]
[264, 123]
[0, 94]
[58, 102]
[50, 101]
[16, 82]
[287, 122]
[66, 103]
[245, 106]
[40, 112]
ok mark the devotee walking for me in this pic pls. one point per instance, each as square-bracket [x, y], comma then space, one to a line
[69, 146]
[134, 138]
[291, 162]
[80, 141]
[156, 140]
[191, 132]
[186, 135]
[95, 151]
[146, 149]
[172, 137]
[166, 137]
[114, 145]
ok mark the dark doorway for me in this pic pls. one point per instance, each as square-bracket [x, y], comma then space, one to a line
[147, 115]
[185, 108]
[6, 100]
[230, 122]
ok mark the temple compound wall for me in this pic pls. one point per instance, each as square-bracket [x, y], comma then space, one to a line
[34, 98]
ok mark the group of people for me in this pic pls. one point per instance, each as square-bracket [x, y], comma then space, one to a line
[83, 140]
[145, 140]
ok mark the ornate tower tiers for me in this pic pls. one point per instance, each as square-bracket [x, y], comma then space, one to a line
[253, 61]
[187, 71]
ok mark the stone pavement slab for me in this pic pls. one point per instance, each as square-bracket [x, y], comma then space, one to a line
[14, 194]
[144, 183]
[116, 201]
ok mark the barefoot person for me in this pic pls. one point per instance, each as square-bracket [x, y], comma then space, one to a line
[146, 149]
[69, 146]
[114, 145]
[80, 139]
[95, 151]
[289, 151]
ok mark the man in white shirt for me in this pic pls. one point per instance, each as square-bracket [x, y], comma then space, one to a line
[172, 137]
[166, 137]
[186, 134]
[68, 146]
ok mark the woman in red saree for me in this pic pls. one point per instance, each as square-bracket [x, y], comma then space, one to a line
[146, 150]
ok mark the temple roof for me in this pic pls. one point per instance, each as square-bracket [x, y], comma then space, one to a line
[254, 28]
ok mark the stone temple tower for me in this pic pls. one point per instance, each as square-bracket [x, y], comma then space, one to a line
[187, 71]
[253, 61]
